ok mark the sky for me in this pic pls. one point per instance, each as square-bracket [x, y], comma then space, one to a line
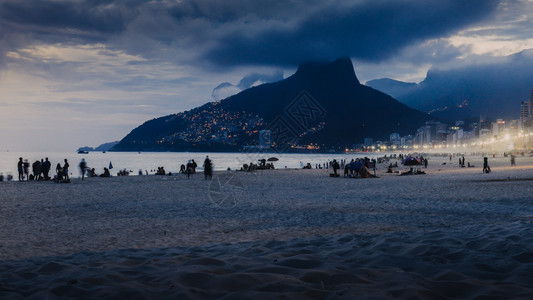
[85, 72]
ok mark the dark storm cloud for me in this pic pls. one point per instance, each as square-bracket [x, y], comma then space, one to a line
[369, 30]
[238, 32]
[79, 16]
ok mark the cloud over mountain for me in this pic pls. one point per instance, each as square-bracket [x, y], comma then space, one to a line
[239, 32]
[227, 89]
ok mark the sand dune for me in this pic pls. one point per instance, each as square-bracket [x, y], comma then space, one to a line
[451, 234]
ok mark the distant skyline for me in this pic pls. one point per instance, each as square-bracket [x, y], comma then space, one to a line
[81, 73]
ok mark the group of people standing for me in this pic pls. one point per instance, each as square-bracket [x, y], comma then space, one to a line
[191, 166]
[40, 170]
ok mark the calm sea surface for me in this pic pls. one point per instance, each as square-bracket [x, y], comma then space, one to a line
[171, 161]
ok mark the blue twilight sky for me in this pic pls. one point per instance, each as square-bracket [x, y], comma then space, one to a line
[85, 72]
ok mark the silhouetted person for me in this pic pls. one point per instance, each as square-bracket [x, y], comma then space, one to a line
[59, 172]
[182, 169]
[20, 169]
[83, 166]
[194, 166]
[27, 169]
[189, 169]
[46, 168]
[41, 174]
[65, 170]
[426, 163]
[106, 173]
[335, 167]
[513, 160]
[36, 169]
[486, 168]
[208, 168]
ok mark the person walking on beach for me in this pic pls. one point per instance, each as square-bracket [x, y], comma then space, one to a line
[486, 168]
[65, 170]
[513, 160]
[20, 169]
[83, 166]
[208, 168]
[27, 169]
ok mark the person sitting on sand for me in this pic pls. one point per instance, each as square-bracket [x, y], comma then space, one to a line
[106, 173]
[182, 169]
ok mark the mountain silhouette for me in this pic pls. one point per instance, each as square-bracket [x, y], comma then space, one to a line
[322, 103]
[493, 90]
[392, 87]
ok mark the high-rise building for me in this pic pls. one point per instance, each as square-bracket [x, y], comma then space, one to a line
[525, 114]
[497, 127]
[431, 132]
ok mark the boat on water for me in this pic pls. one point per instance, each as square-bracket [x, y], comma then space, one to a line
[83, 152]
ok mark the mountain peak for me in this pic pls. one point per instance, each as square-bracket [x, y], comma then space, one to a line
[339, 68]
[311, 106]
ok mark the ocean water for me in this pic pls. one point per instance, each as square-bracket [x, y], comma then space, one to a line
[171, 161]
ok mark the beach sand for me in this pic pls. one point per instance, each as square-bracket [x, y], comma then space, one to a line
[453, 233]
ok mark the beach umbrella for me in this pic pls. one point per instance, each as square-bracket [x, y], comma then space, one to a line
[110, 166]
[273, 159]
[411, 161]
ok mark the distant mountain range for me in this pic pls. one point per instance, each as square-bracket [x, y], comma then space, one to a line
[493, 90]
[321, 105]
[103, 147]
